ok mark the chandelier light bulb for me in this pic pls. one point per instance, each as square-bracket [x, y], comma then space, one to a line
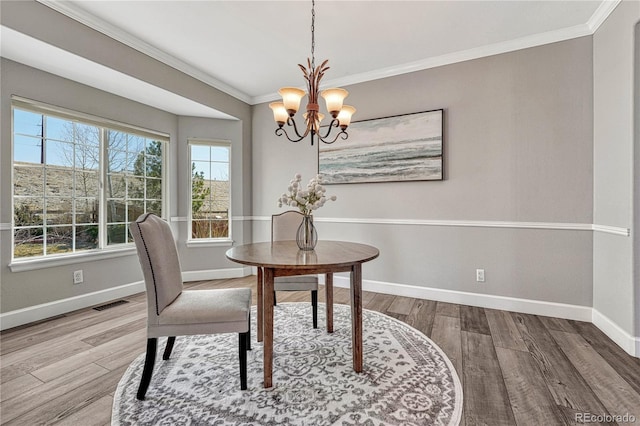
[280, 114]
[344, 117]
[291, 97]
[334, 98]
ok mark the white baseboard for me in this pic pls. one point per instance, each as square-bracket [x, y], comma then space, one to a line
[526, 306]
[47, 310]
[51, 309]
[216, 274]
[630, 344]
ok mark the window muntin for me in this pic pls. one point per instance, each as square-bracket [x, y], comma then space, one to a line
[134, 182]
[58, 198]
[209, 216]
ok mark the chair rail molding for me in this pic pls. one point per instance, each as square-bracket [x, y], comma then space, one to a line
[236, 218]
[567, 226]
[615, 230]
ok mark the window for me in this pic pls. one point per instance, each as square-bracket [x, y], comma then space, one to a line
[209, 217]
[134, 182]
[78, 183]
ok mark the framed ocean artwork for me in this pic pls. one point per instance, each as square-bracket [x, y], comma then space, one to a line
[399, 148]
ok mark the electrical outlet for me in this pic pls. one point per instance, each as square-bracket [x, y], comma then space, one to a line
[480, 275]
[77, 277]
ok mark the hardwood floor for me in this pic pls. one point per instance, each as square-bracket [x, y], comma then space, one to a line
[515, 368]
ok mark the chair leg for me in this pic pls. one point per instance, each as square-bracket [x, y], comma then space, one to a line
[168, 348]
[249, 334]
[243, 360]
[150, 359]
[314, 304]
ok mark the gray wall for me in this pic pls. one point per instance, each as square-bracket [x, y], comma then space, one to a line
[518, 146]
[25, 289]
[613, 68]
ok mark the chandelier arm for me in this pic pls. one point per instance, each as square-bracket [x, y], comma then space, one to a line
[292, 122]
[282, 131]
[334, 123]
[344, 135]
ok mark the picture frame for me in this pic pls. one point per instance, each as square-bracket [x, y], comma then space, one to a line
[398, 148]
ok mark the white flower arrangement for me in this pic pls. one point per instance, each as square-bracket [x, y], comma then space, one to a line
[307, 200]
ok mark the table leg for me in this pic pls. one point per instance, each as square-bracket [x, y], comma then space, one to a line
[260, 302]
[356, 316]
[328, 290]
[268, 326]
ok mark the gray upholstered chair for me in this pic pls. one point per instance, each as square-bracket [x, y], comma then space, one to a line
[173, 312]
[284, 227]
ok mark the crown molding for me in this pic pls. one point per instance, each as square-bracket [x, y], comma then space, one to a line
[77, 14]
[451, 58]
[601, 14]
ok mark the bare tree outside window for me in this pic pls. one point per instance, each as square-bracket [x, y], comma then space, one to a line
[60, 194]
[56, 184]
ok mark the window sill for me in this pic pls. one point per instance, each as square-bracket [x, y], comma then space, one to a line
[210, 243]
[69, 259]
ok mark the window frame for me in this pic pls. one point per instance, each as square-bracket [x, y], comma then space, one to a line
[211, 242]
[103, 250]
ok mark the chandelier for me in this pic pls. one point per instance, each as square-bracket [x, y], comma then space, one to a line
[284, 112]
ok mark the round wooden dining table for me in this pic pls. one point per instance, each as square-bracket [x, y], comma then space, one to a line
[284, 258]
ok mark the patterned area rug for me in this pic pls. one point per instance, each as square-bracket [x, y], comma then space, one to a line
[407, 379]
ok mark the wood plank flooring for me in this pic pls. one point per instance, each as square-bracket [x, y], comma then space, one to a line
[515, 369]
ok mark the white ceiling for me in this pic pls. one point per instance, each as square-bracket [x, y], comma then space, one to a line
[251, 48]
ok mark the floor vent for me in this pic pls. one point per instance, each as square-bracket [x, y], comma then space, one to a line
[110, 305]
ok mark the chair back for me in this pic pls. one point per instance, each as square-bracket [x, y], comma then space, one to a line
[158, 257]
[284, 226]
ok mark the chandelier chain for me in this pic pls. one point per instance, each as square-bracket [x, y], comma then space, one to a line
[313, 37]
